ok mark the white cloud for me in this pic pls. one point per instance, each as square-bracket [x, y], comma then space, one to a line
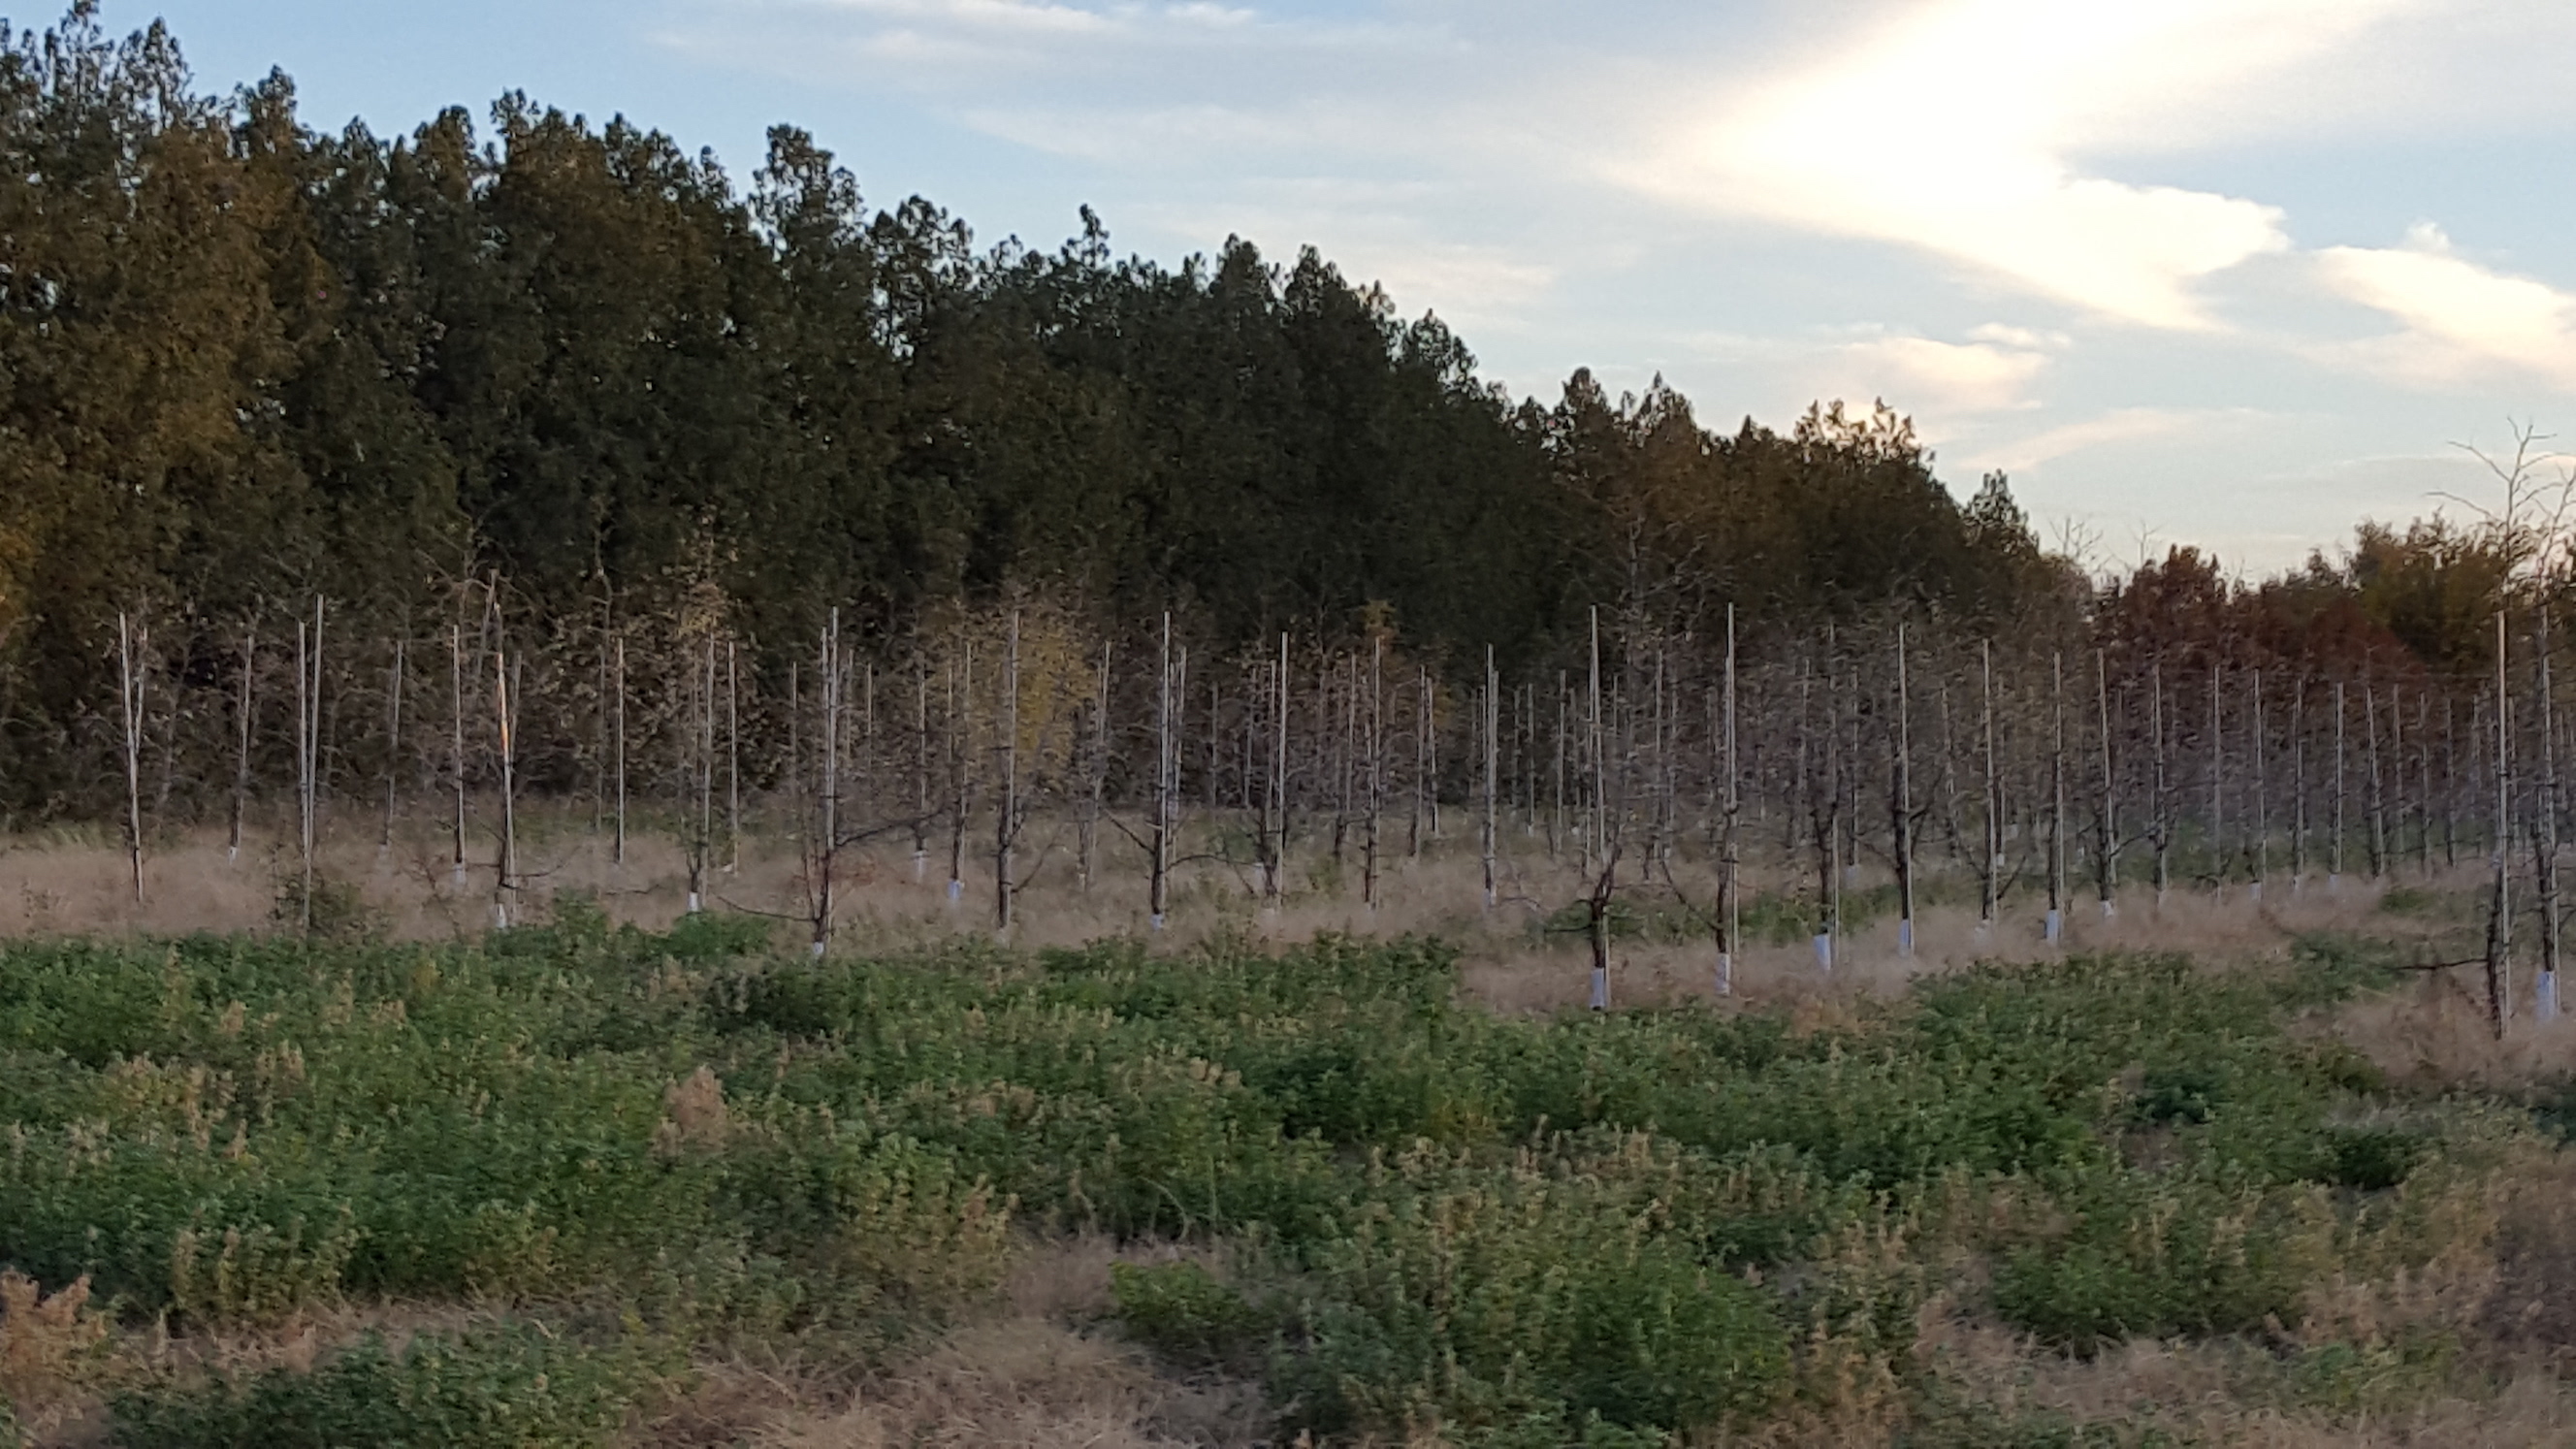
[968, 45]
[1959, 128]
[1936, 380]
[2003, 335]
[2462, 325]
[2121, 425]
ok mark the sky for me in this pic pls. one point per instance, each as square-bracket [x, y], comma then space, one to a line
[2230, 273]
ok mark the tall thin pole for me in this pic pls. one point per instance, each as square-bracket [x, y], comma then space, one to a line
[1163, 783]
[2160, 814]
[618, 847]
[828, 767]
[1376, 769]
[921, 758]
[1007, 828]
[1596, 840]
[2106, 865]
[733, 760]
[1992, 875]
[2299, 786]
[130, 711]
[2217, 775]
[2334, 851]
[702, 765]
[2500, 915]
[2545, 816]
[1556, 814]
[961, 728]
[308, 688]
[1421, 755]
[1901, 805]
[1489, 715]
[456, 748]
[1279, 779]
[2262, 794]
[2378, 841]
[393, 747]
[241, 761]
[1095, 772]
[505, 877]
[1730, 905]
[2056, 925]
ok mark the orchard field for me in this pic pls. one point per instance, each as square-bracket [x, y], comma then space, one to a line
[580, 1183]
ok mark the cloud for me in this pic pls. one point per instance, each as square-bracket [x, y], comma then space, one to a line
[2120, 425]
[945, 45]
[1959, 128]
[1939, 379]
[1949, 389]
[2463, 325]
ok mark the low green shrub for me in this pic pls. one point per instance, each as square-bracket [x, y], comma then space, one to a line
[1480, 1297]
[2156, 1255]
[1183, 1312]
[506, 1388]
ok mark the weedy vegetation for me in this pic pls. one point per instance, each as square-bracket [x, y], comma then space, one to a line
[579, 1184]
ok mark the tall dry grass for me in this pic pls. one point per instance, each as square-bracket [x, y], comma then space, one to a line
[70, 881]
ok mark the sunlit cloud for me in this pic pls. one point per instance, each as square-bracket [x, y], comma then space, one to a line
[1959, 129]
[2463, 325]
[1938, 380]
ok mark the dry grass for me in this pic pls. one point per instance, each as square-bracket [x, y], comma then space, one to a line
[1041, 1366]
[1026, 1383]
[66, 1405]
[51, 1349]
[74, 882]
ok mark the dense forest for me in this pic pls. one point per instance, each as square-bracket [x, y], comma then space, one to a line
[559, 388]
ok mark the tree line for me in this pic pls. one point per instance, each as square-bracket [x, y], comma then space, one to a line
[249, 362]
[540, 457]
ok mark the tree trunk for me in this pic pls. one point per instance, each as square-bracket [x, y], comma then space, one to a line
[1900, 803]
[2056, 924]
[1007, 828]
[617, 849]
[505, 876]
[823, 856]
[1488, 714]
[2545, 818]
[2106, 815]
[241, 762]
[2499, 961]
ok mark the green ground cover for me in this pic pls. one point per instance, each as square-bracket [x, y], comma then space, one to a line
[1605, 1230]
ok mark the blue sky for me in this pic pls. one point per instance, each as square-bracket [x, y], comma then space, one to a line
[2226, 272]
